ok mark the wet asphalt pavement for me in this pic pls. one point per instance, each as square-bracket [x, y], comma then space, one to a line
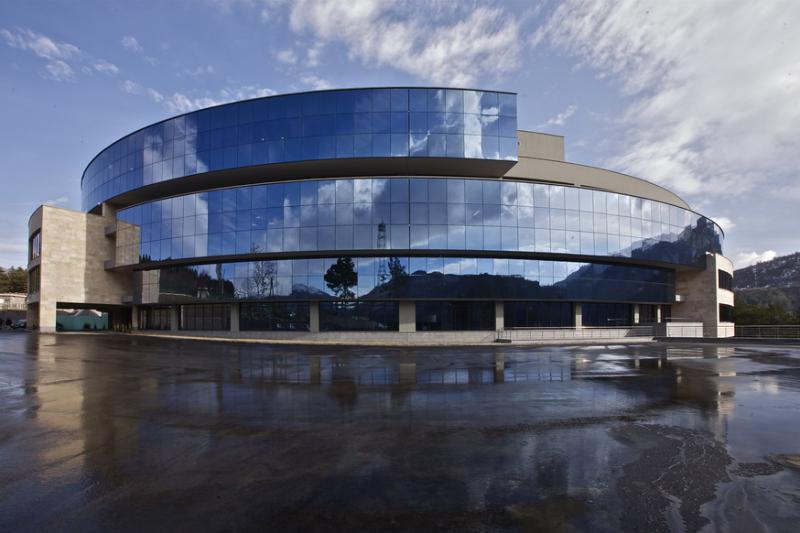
[120, 433]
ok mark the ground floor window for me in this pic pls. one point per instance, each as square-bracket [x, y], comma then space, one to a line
[606, 314]
[81, 320]
[154, 318]
[538, 315]
[358, 316]
[725, 313]
[648, 314]
[455, 316]
[208, 317]
[277, 316]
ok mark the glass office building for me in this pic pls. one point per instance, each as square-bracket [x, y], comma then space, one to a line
[386, 209]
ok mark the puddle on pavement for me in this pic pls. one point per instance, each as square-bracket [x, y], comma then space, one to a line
[604, 438]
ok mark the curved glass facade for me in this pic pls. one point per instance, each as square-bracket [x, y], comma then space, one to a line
[418, 278]
[413, 214]
[350, 123]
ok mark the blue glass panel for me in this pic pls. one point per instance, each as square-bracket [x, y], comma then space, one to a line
[399, 99]
[418, 100]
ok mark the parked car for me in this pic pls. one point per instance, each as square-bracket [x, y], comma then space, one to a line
[19, 324]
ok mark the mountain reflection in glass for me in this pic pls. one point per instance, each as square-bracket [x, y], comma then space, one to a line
[391, 278]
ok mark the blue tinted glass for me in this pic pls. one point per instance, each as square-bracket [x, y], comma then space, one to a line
[381, 122]
[508, 104]
[381, 145]
[418, 100]
[399, 122]
[399, 145]
[381, 100]
[436, 100]
[399, 100]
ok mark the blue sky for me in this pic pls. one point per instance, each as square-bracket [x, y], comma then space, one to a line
[700, 97]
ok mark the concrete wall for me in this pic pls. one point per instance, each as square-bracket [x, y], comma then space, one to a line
[540, 145]
[451, 338]
[72, 263]
[700, 297]
[540, 159]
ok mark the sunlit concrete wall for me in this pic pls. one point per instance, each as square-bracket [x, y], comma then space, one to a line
[700, 297]
[72, 264]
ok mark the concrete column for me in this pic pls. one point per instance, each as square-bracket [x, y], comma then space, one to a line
[235, 318]
[135, 318]
[407, 373]
[499, 367]
[313, 317]
[635, 313]
[174, 318]
[658, 314]
[315, 370]
[408, 317]
[499, 316]
[578, 315]
[47, 316]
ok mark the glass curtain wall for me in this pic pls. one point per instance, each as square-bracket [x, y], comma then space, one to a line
[413, 214]
[359, 123]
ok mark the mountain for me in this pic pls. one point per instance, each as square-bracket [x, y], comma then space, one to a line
[779, 272]
[774, 284]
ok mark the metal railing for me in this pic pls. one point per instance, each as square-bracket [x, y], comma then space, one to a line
[768, 331]
[586, 332]
[7, 306]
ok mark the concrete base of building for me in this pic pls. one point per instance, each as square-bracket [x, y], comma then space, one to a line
[694, 330]
[419, 338]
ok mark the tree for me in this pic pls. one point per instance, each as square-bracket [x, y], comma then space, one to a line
[341, 276]
[396, 268]
[15, 279]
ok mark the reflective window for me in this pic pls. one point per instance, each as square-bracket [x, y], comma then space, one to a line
[409, 213]
[380, 278]
[35, 246]
[396, 122]
[725, 280]
[209, 317]
[358, 316]
[538, 315]
[455, 316]
[606, 314]
[274, 316]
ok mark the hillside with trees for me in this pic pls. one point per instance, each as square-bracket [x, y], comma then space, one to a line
[768, 292]
[14, 279]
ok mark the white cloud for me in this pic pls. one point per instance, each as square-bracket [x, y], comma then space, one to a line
[745, 259]
[287, 56]
[436, 42]
[41, 45]
[131, 87]
[313, 54]
[58, 201]
[54, 52]
[180, 103]
[199, 72]
[714, 86]
[101, 65]
[244, 92]
[315, 82]
[561, 118]
[725, 223]
[59, 71]
[129, 42]
[155, 95]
